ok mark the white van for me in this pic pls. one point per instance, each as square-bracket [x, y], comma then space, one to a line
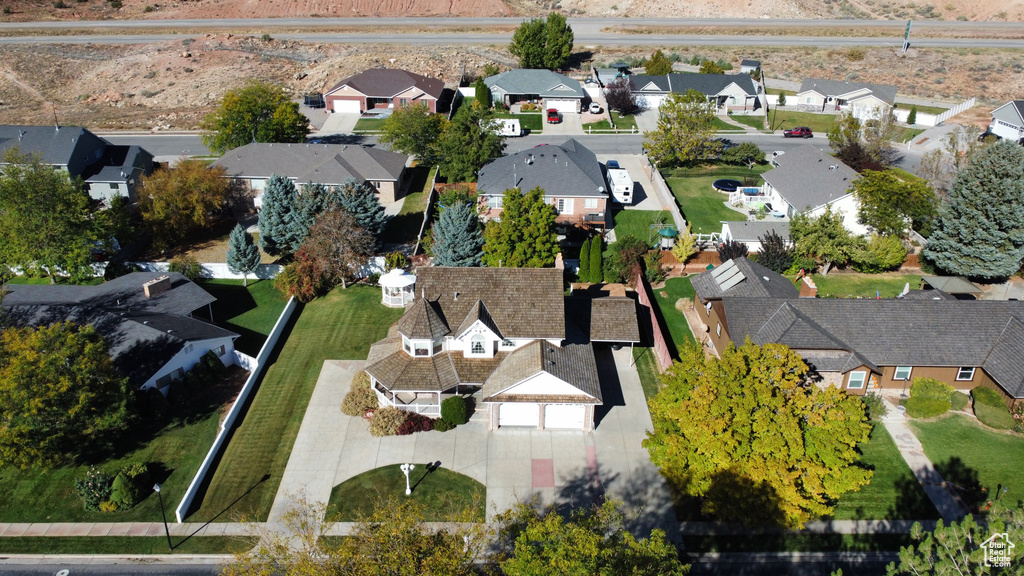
[508, 127]
[621, 185]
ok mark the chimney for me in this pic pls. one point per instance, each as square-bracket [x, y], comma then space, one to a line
[559, 262]
[156, 286]
[807, 288]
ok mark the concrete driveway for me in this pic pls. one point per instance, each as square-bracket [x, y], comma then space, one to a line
[647, 120]
[337, 123]
[571, 125]
[643, 198]
[562, 467]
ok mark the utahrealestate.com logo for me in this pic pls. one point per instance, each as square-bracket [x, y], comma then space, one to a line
[998, 550]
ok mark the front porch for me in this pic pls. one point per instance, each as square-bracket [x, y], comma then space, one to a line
[424, 402]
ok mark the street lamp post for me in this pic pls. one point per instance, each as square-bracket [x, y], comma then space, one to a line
[167, 531]
[406, 468]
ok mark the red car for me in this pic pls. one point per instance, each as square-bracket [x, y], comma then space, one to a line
[798, 132]
[553, 116]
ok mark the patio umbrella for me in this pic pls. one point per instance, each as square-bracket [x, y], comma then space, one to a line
[756, 205]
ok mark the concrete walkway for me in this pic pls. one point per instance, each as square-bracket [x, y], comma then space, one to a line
[938, 491]
[141, 529]
[728, 120]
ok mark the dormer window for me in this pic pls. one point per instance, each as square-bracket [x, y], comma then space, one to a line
[476, 345]
[419, 348]
[506, 343]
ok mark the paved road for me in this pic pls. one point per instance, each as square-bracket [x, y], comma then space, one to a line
[105, 567]
[792, 564]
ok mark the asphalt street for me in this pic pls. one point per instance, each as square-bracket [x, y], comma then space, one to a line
[98, 567]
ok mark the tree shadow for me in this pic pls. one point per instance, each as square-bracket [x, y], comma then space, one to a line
[965, 483]
[912, 503]
[578, 59]
[733, 497]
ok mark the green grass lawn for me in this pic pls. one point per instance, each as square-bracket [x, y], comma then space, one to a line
[46, 281]
[894, 493]
[856, 285]
[963, 449]
[532, 121]
[921, 109]
[796, 543]
[602, 125]
[908, 134]
[647, 369]
[818, 123]
[623, 122]
[368, 125]
[126, 545]
[752, 121]
[404, 226]
[443, 494]
[723, 126]
[702, 206]
[638, 223]
[340, 325]
[679, 330]
[249, 311]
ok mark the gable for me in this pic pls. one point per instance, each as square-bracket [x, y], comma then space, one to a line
[478, 327]
[1011, 113]
[543, 384]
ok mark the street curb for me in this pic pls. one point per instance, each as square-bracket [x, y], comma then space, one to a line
[30, 559]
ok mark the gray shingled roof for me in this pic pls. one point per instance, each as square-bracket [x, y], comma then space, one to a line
[710, 84]
[607, 319]
[573, 364]
[1004, 362]
[806, 178]
[390, 82]
[124, 293]
[754, 284]
[545, 83]
[826, 87]
[422, 320]
[569, 170]
[55, 146]
[641, 82]
[127, 162]
[746, 62]
[753, 230]
[329, 164]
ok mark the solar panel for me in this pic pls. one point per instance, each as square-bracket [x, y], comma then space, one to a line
[732, 281]
[716, 272]
[727, 275]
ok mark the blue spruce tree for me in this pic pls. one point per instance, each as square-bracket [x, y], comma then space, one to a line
[310, 203]
[243, 254]
[458, 240]
[277, 234]
[360, 200]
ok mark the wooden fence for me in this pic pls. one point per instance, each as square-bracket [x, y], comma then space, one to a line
[646, 299]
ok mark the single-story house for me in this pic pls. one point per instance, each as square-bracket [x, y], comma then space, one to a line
[650, 91]
[504, 335]
[1008, 121]
[549, 89]
[736, 92]
[866, 344]
[748, 66]
[570, 175]
[383, 88]
[750, 232]
[864, 101]
[250, 166]
[146, 318]
[108, 170]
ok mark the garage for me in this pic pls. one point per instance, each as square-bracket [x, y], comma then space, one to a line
[564, 106]
[652, 101]
[347, 106]
[518, 414]
[564, 416]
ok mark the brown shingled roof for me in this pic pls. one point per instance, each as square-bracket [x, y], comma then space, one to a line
[422, 320]
[396, 370]
[610, 319]
[573, 364]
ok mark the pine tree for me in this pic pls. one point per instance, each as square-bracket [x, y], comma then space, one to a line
[979, 232]
[360, 200]
[310, 203]
[596, 260]
[243, 254]
[277, 215]
[525, 237]
[458, 240]
[584, 273]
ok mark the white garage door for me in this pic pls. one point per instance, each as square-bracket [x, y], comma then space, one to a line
[564, 416]
[653, 101]
[565, 106]
[518, 414]
[347, 106]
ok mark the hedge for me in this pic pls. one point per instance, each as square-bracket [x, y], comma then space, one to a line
[997, 417]
[988, 396]
[959, 400]
[928, 398]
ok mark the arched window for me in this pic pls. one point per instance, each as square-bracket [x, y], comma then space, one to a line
[477, 344]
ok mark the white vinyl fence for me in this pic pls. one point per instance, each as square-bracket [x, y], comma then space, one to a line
[217, 270]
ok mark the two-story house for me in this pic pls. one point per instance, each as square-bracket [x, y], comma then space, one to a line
[1008, 121]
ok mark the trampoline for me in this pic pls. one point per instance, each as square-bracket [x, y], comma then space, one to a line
[726, 185]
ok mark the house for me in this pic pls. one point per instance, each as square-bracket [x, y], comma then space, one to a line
[650, 91]
[250, 167]
[750, 232]
[864, 101]
[748, 66]
[866, 344]
[570, 175]
[1008, 121]
[146, 318]
[504, 336]
[107, 170]
[727, 92]
[549, 89]
[605, 76]
[383, 88]
[808, 180]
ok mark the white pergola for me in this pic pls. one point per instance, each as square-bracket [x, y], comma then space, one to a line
[397, 288]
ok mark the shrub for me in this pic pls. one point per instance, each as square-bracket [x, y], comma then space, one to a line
[928, 398]
[358, 401]
[415, 423]
[442, 426]
[7, 9]
[453, 410]
[212, 363]
[808, 265]
[997, 417]
[124, 493]
[653, 270]
[882, 253]
[108, 506]
[94, 488]
[874, 405]
[387, 421]
[958, 401]
[187, 266]
[395, 260]
[988, 396]
[361, 381]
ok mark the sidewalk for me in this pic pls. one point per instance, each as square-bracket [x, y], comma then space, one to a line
[141, 529]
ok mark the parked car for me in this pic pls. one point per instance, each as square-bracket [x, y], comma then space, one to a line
[554, 117]
[612, 164]
[798, 132]
[595, 108]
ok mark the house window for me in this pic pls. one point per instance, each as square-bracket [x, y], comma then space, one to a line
[220, 350]
[902, 373]
[438, 345]
[403, 101]
[476, 344]
[421, 347]
[406, 345]
[965, 374]
[506, 343]
[113, 186]
[494, 202]
[718, 330]
[564, 205]
[857, 380]
[809, 100]
[590, 203]
[163, 381]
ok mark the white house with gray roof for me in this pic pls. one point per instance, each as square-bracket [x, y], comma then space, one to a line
[549, 89]
[329, 164]
[1008, 121]
[864, 101]
[750, 232]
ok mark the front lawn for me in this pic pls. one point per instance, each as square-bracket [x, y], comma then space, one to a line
[248, 311]
[368, 125]
[623, 122]
[703, 207]
[908, 134]
[122, 545]
[600, 125]
[723, 126]
[679, 330]
[857, 285]
[638, 223]
[964, 450]
[441, 492]
[340, 325]
[818, 123]
[752, 121]
[531, 121]
[403, 227]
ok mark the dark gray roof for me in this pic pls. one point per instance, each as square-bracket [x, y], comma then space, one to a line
[545, 83]
[833, 360]
[710, 84]
[330, 164]
[123, 163]
[607, 319]
[573, 364]
[825, 87]
[808, 178]
[388, 83]
[754, 283]
[124, 293]
[645, 83]
[746, 62]
[54, 145]
[951, 284]
[1004, 361]
[567, 170]
[753, 230]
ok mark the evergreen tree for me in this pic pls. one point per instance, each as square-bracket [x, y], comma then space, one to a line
[309, 204]
[979, 231]
[482, 94]
[243, 254]
[731, 249]
[584, 273]
[596, 260]
[774, 255]
[277, 216]
[458, 240]
[525, 237]
[912, 116]
[465, 146]
[360, 200]
[658, 64]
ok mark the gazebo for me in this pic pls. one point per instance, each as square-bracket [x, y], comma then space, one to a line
[397, 288]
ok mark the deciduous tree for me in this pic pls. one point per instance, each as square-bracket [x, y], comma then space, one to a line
[627, 259]
[752, 440]
[458, 239]
[730, 249]
[686, 245]
[978, 232]
[178, 201]
[338, 245]
[775, 253]
[60, 395]
[277, 217]
[620, 95]
[557, 42]
[710, 67]
[415, 131]
[525, 237]
[824, 238]
[686, 131]
[243, 254]
[256, 112]
[941, 165]
[543, 43]
[658, 64]
[879, 254]
[891, 205]
[360, 200]
[743, 153]
[865, 145]
[465, 145]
